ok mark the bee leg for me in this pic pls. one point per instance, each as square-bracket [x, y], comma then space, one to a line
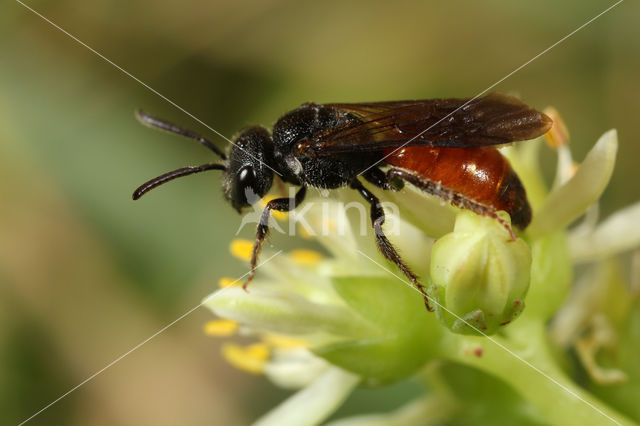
[279, 204]
[449, 196]
[382, 180]
[385, 246]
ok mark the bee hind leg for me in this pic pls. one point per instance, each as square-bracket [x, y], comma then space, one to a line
[383, 180]
[384, 245]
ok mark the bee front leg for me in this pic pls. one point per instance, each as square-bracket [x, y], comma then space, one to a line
[279, 204]
[384, 245]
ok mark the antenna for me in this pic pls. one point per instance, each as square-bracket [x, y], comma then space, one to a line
[158, 123]
[166, 177]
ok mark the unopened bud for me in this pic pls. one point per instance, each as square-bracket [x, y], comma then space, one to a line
[479, 275]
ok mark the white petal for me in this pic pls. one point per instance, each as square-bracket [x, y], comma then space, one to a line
[619, 232]
[314, 403]
[294, 368]
[431, 214]
[327, 221]
[310, 281]
[569, 201]
[565, 166]
[283, 312]
[588, 223]
[414, 245]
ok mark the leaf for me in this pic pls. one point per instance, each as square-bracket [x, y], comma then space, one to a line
[406, 329]
[379, 361]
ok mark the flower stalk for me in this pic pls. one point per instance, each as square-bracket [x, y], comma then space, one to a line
[524, 360]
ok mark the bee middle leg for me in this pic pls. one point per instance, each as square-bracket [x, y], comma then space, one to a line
[384, 245]
[279, 204]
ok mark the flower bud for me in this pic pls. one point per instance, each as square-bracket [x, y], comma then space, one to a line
[479, 275]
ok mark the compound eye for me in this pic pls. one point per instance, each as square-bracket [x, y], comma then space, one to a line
[246, 184]
[246, 177]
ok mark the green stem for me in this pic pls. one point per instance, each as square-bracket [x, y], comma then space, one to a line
[536, 375]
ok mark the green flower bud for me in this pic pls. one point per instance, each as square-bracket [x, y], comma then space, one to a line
[479, 275]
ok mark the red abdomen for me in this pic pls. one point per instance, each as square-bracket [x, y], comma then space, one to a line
[479, 179]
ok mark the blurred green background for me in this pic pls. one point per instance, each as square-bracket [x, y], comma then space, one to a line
[86, 273]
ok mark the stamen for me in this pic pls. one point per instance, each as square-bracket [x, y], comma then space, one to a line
[225, 282]
[250, 358]
[284, 342]
[241, 249]
[306, 257]
[220, 328]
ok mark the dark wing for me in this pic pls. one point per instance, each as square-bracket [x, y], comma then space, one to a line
[490, 120]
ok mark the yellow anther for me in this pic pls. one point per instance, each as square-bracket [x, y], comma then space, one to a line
[558, 135]
[220, 327]
[225, 282]
[241, 249]
[283, 342]
[250, 358]
[305, 257]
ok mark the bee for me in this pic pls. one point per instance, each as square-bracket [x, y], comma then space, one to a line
[445, 147]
